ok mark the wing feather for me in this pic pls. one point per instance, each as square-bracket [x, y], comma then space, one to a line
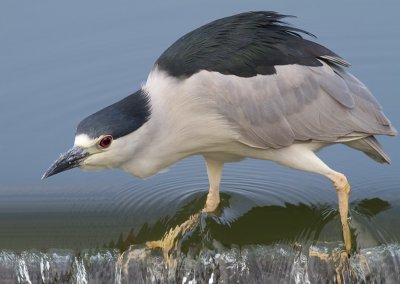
[298, 103]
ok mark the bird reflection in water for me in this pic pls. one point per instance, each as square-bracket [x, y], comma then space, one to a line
[304, 227]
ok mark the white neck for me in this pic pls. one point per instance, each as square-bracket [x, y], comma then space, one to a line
[183, 122]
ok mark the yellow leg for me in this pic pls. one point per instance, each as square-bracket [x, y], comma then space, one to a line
[169, 242]
[343, 189]
[214, 171]
[212, 200]
[302, 157]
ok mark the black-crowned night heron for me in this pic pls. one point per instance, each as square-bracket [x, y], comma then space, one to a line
[245, 86]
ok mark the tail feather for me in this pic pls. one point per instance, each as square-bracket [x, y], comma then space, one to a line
[371, 147]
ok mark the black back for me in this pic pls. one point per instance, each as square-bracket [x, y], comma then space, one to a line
[118, 119]
[245, 45]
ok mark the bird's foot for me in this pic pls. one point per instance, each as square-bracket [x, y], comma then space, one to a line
[170, 242]
[341, 261]
[344, 271]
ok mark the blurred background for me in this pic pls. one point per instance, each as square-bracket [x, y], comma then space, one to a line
[63, 60]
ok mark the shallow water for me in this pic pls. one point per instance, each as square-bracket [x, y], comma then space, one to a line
[63, 61]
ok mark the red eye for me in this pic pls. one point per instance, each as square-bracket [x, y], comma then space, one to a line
[105, 142]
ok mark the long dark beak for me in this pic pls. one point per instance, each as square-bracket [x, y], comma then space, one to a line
[68, 160]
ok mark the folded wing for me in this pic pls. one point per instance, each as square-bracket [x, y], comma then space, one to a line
[298, 103]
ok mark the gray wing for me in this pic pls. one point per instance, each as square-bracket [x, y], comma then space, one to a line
[298, 103]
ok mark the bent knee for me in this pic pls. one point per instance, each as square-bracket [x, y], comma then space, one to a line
[339, 181]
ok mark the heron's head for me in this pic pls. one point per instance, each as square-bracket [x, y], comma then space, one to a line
[101, 138]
